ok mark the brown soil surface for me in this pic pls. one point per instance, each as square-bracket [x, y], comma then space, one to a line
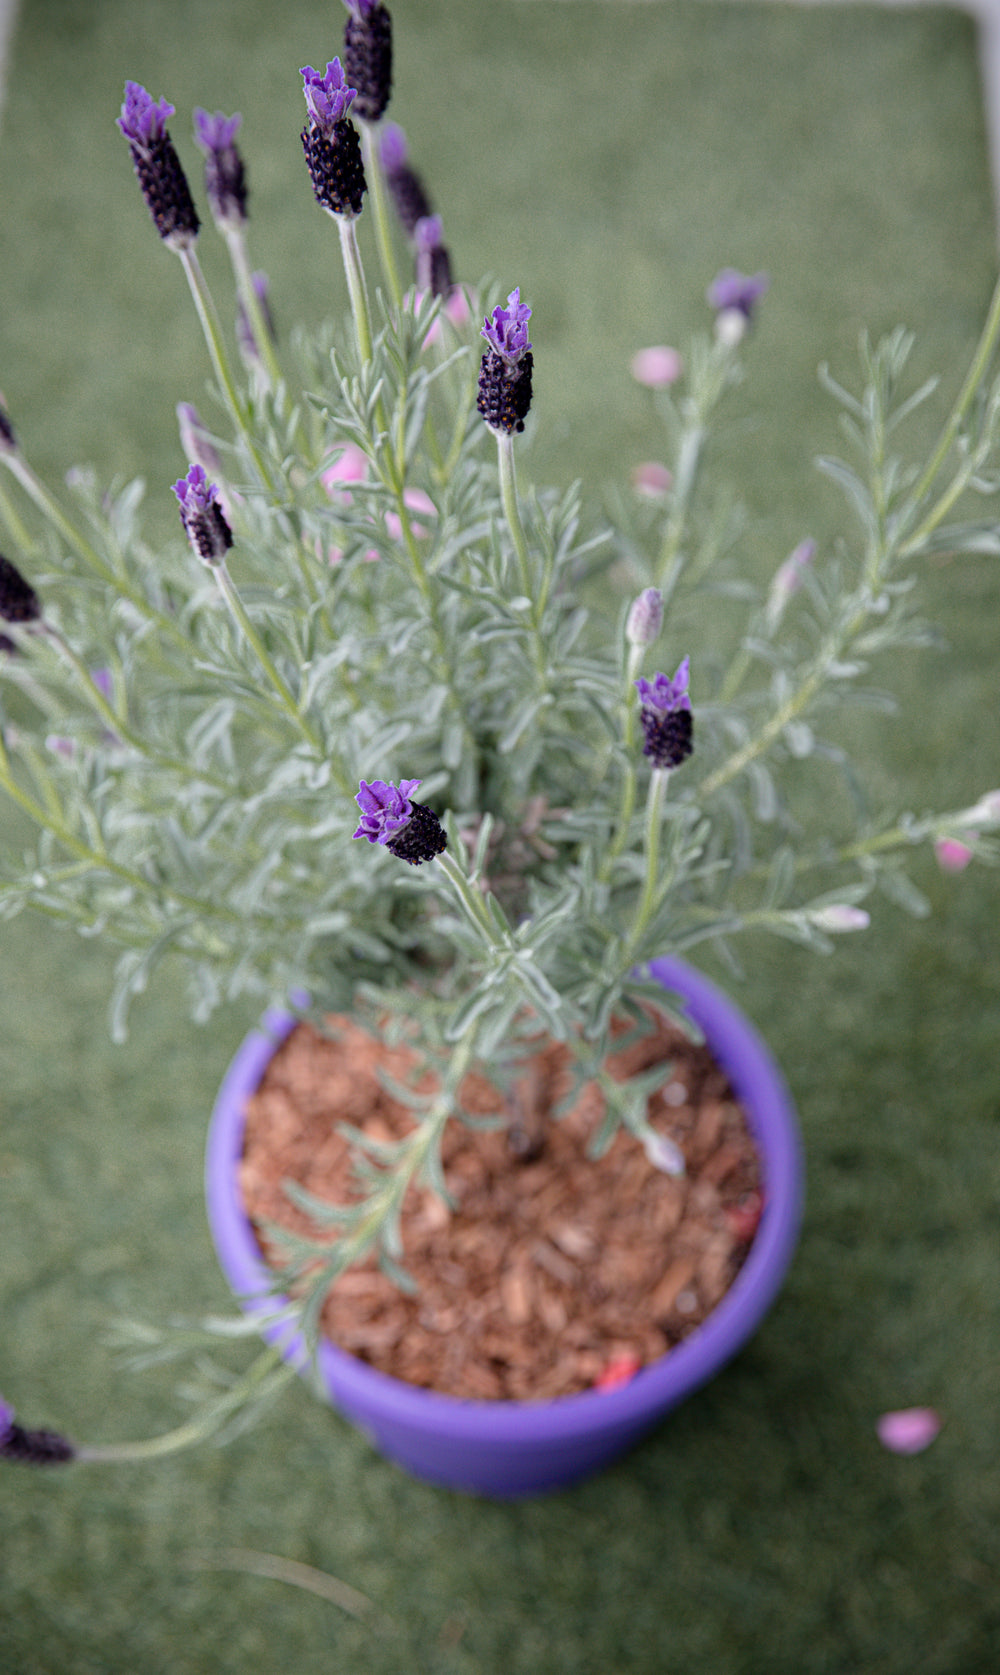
[553, 1273]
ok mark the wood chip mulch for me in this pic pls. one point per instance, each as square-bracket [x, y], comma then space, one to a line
[554, 1273]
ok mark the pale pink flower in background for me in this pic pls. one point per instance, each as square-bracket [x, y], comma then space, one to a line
[415, 500]
[348, 465]
[652, 479]
[457, 309]
[952, 855]
[658, 366]
[908, 1430]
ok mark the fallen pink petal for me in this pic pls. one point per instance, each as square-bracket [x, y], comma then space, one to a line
[908, 1430]
[621, 1369]
[658, 366]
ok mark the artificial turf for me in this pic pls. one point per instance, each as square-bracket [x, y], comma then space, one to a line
[608, 158]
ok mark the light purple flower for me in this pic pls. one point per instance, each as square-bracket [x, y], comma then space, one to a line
[225, 176]
[361, 9]
[507, 330]
[665, 714]
[6, 1418]
[393, 148]
[385, 809]
[665, 695]
[143, 120]
[787, 581]
[410, 831]
[652, 479]
[328, 98]
[202, 516]
[952, 855]
[739, 292]
[908, 1430]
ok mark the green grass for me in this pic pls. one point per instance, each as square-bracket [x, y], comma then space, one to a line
[608, 158]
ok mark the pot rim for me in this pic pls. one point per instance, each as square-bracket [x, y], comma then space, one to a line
[771, 1115]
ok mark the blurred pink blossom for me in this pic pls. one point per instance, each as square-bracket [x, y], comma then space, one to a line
[908, 1430]
[658, 366]
[952, 855]
[652, 479]
[348, 465]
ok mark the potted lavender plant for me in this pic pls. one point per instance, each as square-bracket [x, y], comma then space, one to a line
[222, 744]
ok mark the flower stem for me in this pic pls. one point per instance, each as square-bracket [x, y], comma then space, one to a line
[252, 304]
[654, 820]
[355, 275]
[512, 510]
[267, 1375]
[973, 378]
[380, 209]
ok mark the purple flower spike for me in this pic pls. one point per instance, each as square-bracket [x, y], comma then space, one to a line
[368, 56]
[507, 331]
[410, 831]
[328, 97]
[665, 713]
[202, 516]
[225, 175]
[157, 166]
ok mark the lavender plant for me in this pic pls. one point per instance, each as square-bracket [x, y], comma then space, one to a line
[362, 603]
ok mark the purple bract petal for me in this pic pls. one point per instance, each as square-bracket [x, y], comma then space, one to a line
[663, 694]
[194, 491]
[385, 809]
[327, 96]
[392, 147]
[143, 119]
[740, 291]
[507, 331]
[215, 132]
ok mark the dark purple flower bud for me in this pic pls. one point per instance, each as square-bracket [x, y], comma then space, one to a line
[202, 516]
[406, 188]
[18, 600]
[368, 56]
[157, 166]
[225, 175]
[433, 261]
[330, 142]
[410, 831]
[8, 441]
[31, 1448]
[665, 714]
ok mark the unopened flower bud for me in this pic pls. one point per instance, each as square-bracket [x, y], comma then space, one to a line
[645, 619]
[787, 581]
[225, 174]
[8, 441]
[839, 916]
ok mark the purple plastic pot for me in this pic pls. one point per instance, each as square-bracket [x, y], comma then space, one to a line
[523, 1448]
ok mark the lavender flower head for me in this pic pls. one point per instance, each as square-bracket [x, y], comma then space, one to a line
[162, 180]
[506, 330]
[31, 1448]
[665, 713]
[225, 175]
[735, 296]
[433, 264]
[368, 56]
[18, 599]
[410, 831]
[505, 372]
[330, 141]
[202, 516]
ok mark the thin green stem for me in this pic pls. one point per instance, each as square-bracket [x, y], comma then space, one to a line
[378, 199]
[267, 1375]
[259, 325]
[648, 900]
[973, 378]
[512, 510]
[355, 275]
[230, 594]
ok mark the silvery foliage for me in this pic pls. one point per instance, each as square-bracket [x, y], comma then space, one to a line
[188, 744]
